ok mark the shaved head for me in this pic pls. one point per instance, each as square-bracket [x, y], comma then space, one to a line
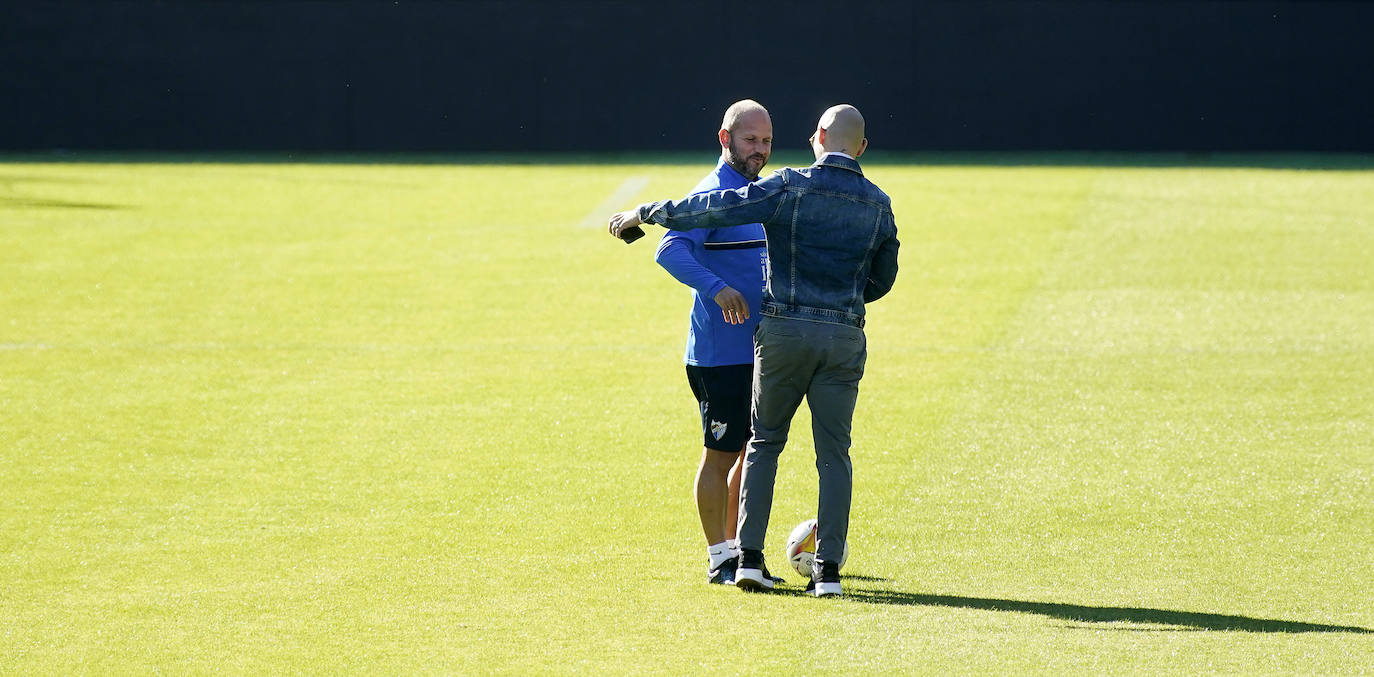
[741, 109]
[841, 129]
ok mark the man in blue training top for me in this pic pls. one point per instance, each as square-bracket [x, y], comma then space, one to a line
[725, 269]
[832, 247]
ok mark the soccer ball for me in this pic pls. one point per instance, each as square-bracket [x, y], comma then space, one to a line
[801, 548]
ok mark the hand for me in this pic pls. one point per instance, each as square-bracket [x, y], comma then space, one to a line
[733, 304]
[624, 220]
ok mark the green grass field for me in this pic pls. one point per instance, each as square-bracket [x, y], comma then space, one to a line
[429, 418]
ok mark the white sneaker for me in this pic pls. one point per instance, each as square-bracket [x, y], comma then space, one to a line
[751, 580]
[826, 578]
[828, 590]
[752, 575]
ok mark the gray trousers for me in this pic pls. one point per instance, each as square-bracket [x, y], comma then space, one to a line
[823, 363]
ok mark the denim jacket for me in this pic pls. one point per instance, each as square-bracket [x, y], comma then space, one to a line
[832, 242]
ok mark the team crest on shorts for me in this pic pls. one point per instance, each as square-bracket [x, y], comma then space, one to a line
[718, 429]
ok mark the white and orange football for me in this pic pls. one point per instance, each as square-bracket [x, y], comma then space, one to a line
[801, 548]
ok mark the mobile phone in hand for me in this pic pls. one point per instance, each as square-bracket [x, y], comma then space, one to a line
[631, 234]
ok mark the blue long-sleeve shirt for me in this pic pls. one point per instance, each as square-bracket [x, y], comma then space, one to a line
[708, 260]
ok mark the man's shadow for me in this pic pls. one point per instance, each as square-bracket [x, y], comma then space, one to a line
[1090, 614]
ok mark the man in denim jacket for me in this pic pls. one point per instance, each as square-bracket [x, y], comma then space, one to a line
[832, 247]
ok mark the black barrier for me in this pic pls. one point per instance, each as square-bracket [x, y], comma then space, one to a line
[594, 75]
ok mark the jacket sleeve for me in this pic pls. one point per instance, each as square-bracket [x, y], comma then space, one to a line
[757, 202]
[883, 272]
[677, 255]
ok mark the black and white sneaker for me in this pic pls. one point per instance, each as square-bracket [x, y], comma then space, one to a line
[753, 575]
[825, 579]
[724, 573]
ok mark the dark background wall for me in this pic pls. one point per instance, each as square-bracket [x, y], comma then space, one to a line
[480, 75]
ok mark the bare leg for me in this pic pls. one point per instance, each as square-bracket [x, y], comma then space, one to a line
[732, 502]
[713, 491]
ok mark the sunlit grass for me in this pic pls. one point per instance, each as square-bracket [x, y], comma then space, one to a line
[423, 418]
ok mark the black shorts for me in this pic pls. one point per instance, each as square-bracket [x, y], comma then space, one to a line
[724, 394]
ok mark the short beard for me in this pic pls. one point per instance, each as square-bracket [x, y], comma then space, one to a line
[740, 163]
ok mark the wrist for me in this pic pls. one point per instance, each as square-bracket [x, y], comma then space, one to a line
[643, 211]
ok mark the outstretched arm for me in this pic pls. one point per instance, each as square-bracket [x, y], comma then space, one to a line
[755, 203]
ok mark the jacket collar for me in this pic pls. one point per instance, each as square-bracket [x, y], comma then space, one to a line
[841, 161]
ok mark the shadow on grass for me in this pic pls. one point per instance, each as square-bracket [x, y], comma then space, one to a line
[1184, 620]
[12, 198]
[35, 203]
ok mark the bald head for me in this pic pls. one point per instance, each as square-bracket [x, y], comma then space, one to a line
[840, 130]
[739, 110]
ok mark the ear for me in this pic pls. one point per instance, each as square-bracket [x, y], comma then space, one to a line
[724, 138]
[863, 146]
